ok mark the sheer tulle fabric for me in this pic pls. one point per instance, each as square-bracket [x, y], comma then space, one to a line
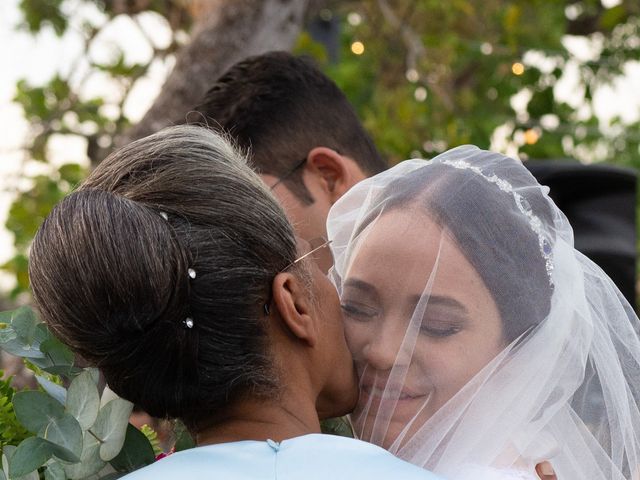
[484, 341]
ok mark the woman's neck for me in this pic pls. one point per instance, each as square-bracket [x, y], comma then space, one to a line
[257, 419]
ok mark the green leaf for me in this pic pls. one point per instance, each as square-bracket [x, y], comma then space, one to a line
[54, 471]
[36, 409]
[17, 348]
[72, 173]
[152, 436]
[33, 453]
[184, 440]
[56, 351]
[541, 103]
[21, 336]
[53, 389]
[32, 99]
[65, 432]
[337, 426]
[111, 427]
[7, 334]
[136, 452]
[107, 396]
[64, 370]
[38, 13]
[613, 16]
[90, 461]
[2, 475]
[95, 374]
[83, 400]
[24, 322]
[7, 451]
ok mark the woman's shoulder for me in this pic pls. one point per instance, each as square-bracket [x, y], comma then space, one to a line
[312, 457]
[340, 457]
[237, 460]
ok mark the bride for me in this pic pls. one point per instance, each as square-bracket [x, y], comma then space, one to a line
[486, 345]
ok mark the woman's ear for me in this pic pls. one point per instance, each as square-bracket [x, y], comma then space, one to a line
[294, 306]
[337, 172]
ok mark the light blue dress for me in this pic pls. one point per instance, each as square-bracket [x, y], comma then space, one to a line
[309, 457]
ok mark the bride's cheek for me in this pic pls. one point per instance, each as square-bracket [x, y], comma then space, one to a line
[356, 336]
[443, 366]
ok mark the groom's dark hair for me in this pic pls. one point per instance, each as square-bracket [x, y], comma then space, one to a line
[279, 107]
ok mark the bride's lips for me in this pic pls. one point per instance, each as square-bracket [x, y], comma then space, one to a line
[380, 393]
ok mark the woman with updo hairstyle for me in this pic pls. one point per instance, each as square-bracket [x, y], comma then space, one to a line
[174, 270]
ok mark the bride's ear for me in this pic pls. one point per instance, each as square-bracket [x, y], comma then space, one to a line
[545, 471]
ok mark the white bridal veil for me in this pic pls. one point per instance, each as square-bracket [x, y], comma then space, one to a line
[484, 341]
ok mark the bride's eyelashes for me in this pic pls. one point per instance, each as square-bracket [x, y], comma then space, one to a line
[358, 311]
[440, 327]
[439, 331]
[435, 329]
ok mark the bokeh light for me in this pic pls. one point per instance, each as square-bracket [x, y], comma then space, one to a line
[517, 68]
[357, 48]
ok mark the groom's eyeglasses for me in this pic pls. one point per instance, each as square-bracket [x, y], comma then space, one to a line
[289, 173]
[314, 245]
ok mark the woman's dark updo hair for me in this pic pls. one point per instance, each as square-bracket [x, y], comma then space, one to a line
[110, 273]
[489, 229]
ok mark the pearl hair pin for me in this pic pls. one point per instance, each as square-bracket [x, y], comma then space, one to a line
[187, 322]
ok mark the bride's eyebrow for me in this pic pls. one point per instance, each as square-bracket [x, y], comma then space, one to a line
[441, 301]
[361, 285]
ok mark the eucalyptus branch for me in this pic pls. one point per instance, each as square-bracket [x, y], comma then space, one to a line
[95, 436]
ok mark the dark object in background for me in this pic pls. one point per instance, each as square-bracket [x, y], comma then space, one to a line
[600, 203]
[325, 29]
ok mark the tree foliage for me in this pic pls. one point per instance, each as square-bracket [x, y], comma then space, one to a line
[432, 75]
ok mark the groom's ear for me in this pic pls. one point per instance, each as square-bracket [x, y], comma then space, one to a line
[337, 173]
[294, 308]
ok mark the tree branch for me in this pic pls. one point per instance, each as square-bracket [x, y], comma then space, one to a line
[224, 34]
[415, 51]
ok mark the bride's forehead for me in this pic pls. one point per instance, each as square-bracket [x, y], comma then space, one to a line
[420, 258]
[394, 234]
[409, 239]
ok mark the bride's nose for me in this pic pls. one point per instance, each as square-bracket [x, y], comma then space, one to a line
[385, 348]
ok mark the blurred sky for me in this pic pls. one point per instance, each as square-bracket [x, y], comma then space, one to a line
[38, 58]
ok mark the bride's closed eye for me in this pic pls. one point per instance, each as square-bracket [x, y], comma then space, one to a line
[358, 311]
[439, 331]
[440, 326]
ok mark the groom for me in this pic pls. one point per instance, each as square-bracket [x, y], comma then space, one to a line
[304, 137]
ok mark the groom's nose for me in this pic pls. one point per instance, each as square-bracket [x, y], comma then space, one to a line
[385, 347]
